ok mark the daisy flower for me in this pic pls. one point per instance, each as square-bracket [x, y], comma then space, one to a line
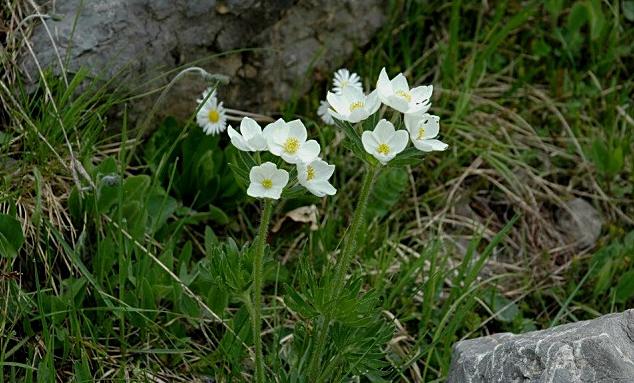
[267, 181]
[211, 115]
[288, 140]
[352, 105]
[250, 138]
[322, 112]
[384, 142]
[397, 94]
[314, 177]
[423, 129]
[344, 79]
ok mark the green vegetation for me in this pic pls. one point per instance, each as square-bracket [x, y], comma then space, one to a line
[125, 259]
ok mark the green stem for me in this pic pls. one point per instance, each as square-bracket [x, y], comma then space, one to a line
[349, 248]
[257, 288]
[351, 243]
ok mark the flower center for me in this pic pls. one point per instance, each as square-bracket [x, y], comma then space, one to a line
[356, 105]
[343, 84]
[405, 95]
[214, 116]
[310, 173]
[383, 149]
[421, 133]
[291, 146]
[267, 183]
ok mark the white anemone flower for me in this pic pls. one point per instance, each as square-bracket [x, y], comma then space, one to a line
[397, 94]
[267, 181]
[352, 105]
[322, 112]
[288, 140]
[423, 129]
[314, 177]
[343, 79]
[384, 142]
[211, 116]
[250, 138]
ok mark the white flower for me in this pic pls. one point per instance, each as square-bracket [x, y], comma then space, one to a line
[267, 181]
[423, 129]
[343, 79]
[251, 139]
[314, 177]
[397, 94]
[211, 115]
[384, 143]
[322, 112]
[288, 140]
[352, 105]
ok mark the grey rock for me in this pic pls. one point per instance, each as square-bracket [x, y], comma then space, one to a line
[295, 43]
[599, 350]
[581, 222]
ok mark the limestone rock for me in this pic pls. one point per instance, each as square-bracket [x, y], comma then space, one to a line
[597, 351]
[581, 222]
[269, 48]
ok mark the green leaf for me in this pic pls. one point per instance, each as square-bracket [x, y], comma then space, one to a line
[11, 236]
[625, 287]
[628, 10]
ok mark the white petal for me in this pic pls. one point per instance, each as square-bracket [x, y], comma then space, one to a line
[256, 190]
[400, 83]
[280, 178]
[337, 102]
[383, 131]
[297, 129]
[383, 85]
[309, 151]
[372, 102]
[237, 140]
[321, 188]
[430, 145]
[369, 142]
[249, 128]
[322, 169]
[397, 103]
[398, 142]
[422, 93]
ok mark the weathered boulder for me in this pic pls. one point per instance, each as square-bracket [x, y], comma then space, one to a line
[271, 49]
[599, 350]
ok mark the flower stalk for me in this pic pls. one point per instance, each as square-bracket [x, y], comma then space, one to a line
[343, 264]
[258, 266]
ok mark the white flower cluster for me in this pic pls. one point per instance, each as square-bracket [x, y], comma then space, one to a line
[287, 140]
[348, 103]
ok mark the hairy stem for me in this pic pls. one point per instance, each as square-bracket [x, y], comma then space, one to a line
[343, 263]
[257, 288]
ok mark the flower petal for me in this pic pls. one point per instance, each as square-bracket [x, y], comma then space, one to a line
[383, 85]
[430, 145]
[400, 83]
[398, 142]
[237, 140]
[369, 142]
[383, 131]
[337, 102]
[309, 151]
[297, 129]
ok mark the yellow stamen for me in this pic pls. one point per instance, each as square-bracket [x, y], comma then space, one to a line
[267, 183]
[310, 173]
[214, 116]
[404, 94]
[383, 149]
[421, 133]
[356, 105]
[291, 146]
